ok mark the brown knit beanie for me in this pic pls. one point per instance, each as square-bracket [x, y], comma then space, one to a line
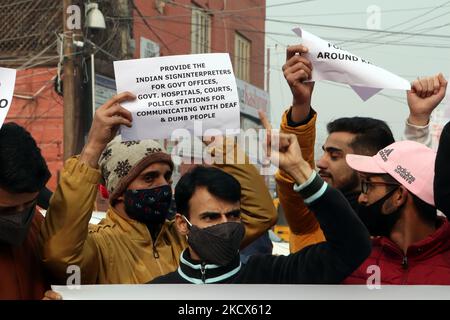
[122, 161]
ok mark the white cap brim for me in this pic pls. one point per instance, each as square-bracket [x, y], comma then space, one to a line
[363, 164]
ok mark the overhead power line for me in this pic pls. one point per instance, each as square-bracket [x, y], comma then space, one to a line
[360, 29]
[348, 13]
[187, 6]
[378, 35]
[364, 41]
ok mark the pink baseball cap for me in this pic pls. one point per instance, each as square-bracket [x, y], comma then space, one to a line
[409, 162]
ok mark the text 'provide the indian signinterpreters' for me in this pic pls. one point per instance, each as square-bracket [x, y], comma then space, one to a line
[174, 92]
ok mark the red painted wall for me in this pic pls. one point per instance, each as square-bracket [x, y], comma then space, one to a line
[43, 115]
[172, 28]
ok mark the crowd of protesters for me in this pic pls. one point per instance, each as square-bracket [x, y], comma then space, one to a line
[371, 202]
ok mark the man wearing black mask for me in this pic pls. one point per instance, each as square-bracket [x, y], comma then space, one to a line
[208, 205]
[23, 174]
[413, 246]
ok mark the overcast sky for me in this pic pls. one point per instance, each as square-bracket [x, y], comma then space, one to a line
[405, 55]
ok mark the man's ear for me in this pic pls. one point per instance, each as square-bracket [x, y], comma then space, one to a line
[181, 225]
[119, 201]
[400, 197]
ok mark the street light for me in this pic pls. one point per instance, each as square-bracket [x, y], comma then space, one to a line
[94, 17]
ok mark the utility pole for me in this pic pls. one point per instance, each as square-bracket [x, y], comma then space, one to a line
[124, 11]
[71, 86]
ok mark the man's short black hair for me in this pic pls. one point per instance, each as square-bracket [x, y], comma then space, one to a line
[22, 167]
[372, 134]
[219, 183]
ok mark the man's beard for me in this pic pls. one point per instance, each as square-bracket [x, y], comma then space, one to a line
[352, 184]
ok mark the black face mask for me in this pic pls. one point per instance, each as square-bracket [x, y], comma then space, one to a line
[377, 223]
[218, 244]
[14, 228]
[149, 206]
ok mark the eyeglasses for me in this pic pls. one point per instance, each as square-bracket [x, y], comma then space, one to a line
[365, 185]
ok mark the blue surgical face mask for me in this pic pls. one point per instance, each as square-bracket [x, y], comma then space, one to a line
[149, 206]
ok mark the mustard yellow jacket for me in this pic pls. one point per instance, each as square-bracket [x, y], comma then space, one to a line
[120, 250]
[305, 229]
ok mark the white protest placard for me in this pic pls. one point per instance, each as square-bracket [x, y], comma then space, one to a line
[179, 92]
[7, 82]
[334, 64]
[237, 292]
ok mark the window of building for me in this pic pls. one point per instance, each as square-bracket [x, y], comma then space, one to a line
[149, 49]
[200, 31]
[242, 58]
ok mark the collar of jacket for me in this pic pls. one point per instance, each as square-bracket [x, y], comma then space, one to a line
[199, 273]
[436, 243]
[135, 229]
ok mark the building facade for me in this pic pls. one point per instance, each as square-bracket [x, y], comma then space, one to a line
[135, 29]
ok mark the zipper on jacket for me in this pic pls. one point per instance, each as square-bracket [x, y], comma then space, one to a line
[405, 262]
[203, 271]
[155, 253]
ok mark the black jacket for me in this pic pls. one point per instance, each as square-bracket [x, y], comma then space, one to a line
[347, 246]
[442, 173]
